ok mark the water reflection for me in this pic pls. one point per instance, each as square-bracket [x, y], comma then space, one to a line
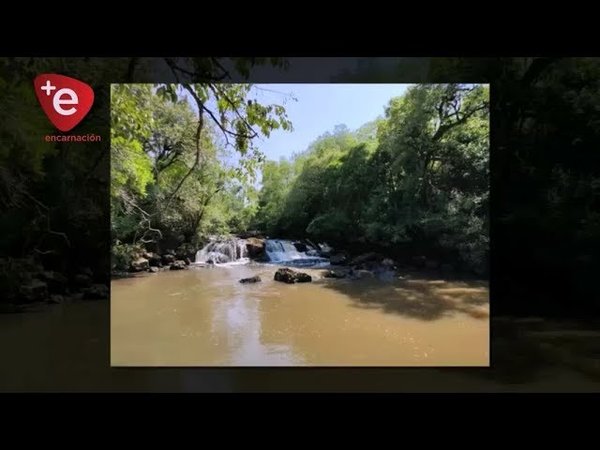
[204, 316]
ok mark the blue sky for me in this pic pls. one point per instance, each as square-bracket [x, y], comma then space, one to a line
[319, 108]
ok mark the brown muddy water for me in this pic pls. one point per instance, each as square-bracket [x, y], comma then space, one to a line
[205, 317]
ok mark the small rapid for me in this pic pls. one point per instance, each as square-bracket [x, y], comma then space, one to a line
[228, 251]
[234, 251]
[280, 251]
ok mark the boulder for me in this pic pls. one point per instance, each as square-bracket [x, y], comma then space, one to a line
[338, 259]
[325, 250]
[285, 276]
[56, 299]
[186, 251]
[154, 260]
[289, 276]
[30, 264]
[96, 292]
[333, 274]
[118, 274]
[388, 262]
[82, 280]
[153, 269]
[362, 274]
[57, 282]
[255, 279]
[18, 271]
[187, 261]
[168, 258]
[139, 265]
[87, 271]
[178, 265]
[302, 277]
[366, 257]
[33, 291]
[311, 245]
[255, 247]
[300, 246]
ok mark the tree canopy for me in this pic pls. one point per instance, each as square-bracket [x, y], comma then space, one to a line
[170, 145]
[418, 178]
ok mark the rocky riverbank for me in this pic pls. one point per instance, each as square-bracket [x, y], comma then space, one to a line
[136, 259]
[346, 262]
[25, 282]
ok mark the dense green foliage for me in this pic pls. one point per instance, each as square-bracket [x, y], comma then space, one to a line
[170, 180]
[415, 180]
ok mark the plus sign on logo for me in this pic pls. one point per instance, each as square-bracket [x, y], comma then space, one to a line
[65, 100]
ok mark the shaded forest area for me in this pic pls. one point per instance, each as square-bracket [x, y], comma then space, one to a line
[55, 198]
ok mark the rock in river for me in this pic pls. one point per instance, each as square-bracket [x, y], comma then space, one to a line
[338, 259]
[154, 260]
[57, 283]
[139, 265]
[300, 246]
[289, 276]
[366, 257]
[303, 277]
[168, 258]
[96, 292]
[178, 265]
[388, 262]
[334, 274]
[255, 279]
[255, 247]
[362, 274]
[82, 280]
[56, 299]
[33, 291]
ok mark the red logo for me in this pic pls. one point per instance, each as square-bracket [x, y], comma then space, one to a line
[65, 100]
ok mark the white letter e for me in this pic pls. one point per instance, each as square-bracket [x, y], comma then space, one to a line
[72, 100]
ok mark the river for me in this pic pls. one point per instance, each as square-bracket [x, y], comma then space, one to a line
[205, 317]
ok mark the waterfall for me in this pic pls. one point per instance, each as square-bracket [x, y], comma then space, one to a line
[282, 251]
[279, 250]
[225, 251]
[232, 251]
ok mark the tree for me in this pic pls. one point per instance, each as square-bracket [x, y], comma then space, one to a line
[169, 178]
[416, 179]
[276, 181]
